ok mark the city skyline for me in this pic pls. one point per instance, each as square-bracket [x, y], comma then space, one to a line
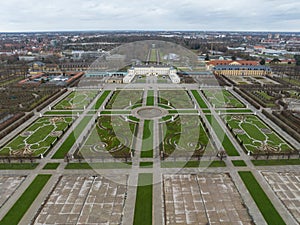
[64, 15]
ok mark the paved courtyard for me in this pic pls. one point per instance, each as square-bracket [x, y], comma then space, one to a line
[85, 200]
[8, 185]
[287, 188]
[203, 199]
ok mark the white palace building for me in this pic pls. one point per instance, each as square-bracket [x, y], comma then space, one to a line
[151, 70]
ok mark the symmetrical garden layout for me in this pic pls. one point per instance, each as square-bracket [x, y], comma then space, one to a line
[139, 136]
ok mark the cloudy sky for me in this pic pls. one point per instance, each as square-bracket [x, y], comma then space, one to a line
[58, 15]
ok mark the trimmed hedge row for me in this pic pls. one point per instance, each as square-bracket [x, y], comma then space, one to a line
[11, 120]
[282, 124]
[16, 124]
[245, 96]
[51, 99]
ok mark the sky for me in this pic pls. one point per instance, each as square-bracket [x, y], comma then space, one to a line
[232, 15]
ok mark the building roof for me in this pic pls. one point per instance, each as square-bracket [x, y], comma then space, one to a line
[241, 67]
[231, 62]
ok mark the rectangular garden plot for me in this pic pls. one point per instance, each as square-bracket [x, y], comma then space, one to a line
[8, 185]
[255, 136]
[222, 99]
[287, 187]
[178, 99]
[203, 199]
[38, 138]
[85, 200]
[77, 100]
[112, 136]
[124, 99]
[184, 136]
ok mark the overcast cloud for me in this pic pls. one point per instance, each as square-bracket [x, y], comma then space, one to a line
[55, 15]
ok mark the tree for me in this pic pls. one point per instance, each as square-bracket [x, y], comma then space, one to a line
[275, 61]
[207, 57]
[262, 62]
[297, 58]
[233, 58]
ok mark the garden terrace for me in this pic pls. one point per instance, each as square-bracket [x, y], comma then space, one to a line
[122, 99]
[38, 138]
[222, 99]
[178, 99]
[112, 136]
[185, 136]
[76, 100]
[255, 136]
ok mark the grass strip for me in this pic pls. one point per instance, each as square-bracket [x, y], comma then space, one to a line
[90, 166]
[239, 163]
[192, 164]
[150, 98]
[276, 162]
[143, 204]
[147, 145]
[51, 166]
[69, 142]
[198, 98]
[146, 164]
[101, 100]
[18, 166]
[226, 143]
[261, 199]
[21, 206]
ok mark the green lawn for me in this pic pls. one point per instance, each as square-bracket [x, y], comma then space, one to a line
[226, 143]
[254, 136]
[239, 163]
[147, 144]
[38, 138]
[198, 98]
[123, 98]
[179, 99]
[143, 204]
[192, 164]
[150, 98]
[118, 112]
[146, 164]
[77, 100]
[222, 99]
[276, 162]
[101, 100]
[62, 112]
[51, 166]
[21, 206]
[261, 199]
[107, 165]
[69, 142]
[18, 166]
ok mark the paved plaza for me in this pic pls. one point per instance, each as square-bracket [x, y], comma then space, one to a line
[8, 185]
[84, 200]
[286, 185]
[203, 199]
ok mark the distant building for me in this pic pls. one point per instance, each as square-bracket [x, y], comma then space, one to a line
[152, 70]
[238, 68]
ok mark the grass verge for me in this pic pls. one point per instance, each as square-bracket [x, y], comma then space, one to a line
[143, 204]
[239, 163]
[261, 199]
[198, 98]
[51, 166]
[276, 162]
[147, 145]
[21, 206]
[18, 166]
[90, 166]
[226, 143]
[192, 164]
[69, 142]
[146, 164]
